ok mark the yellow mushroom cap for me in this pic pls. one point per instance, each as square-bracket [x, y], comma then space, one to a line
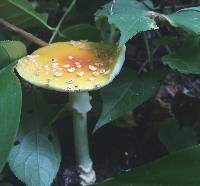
[72, 66]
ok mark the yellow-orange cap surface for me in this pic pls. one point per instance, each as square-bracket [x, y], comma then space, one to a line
[72, 66]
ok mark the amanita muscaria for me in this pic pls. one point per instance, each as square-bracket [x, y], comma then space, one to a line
[75, 67]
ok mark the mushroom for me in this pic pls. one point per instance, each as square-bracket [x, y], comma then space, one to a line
[75, 67]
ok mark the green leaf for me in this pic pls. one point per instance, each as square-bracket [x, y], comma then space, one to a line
[175, 137]
[177, 169]
[128, 16]
[36, 157]
[10, 110]
[126, 93]
[81, 32]
[22, 14]
[185, 59]
[11, 51]
[188, 19]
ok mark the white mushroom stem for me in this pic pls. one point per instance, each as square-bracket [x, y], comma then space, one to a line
[80, 103]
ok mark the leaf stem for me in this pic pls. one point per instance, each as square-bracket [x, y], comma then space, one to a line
[61, 21]
[22, 33]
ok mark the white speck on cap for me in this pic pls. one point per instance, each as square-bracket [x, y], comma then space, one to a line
[71, 69]
[93, 68]
[66, 66]
[57, 74]
[77, 63]
[91, 79]
[80, 73]
[98, 85]
[70, 57]
[78, 66]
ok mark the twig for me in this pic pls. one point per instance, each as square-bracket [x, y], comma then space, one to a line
[61, 20]
[22, 33]
[142, 67]
[146, 62]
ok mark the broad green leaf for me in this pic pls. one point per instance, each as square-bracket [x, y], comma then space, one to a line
[175, 137]
[35, 158]
[22, 14]
[81, 32]
[126, 93]
[178, 169]
[10, 110]
[128, 16]
[188, 19]
[10, 51]
[186, 59]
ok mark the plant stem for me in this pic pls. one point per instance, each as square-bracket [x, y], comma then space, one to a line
[149, 53]
[23, 33]
[166, 46]
[80, 103]
[112, 34]
[61, 21]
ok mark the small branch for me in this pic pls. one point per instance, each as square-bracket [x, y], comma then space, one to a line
[142, 67]
[23, 33]
[61, 20]
[146, 62]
